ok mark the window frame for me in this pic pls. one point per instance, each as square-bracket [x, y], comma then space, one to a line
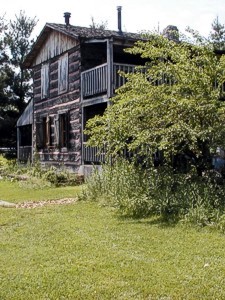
[63, 75]
[45, 81]
[62, 129]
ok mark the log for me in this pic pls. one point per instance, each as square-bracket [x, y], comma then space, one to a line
[7, 204]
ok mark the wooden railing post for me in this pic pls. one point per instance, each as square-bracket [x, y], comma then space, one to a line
[110, 68]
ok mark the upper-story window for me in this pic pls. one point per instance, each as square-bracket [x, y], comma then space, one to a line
[63, 74]
[44, 81]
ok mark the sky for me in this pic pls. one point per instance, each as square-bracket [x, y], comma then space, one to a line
[137, 15]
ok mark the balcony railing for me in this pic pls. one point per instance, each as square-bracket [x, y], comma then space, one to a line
[93, 154]
[95, 81]
[119, 80]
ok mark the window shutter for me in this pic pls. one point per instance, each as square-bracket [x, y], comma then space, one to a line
[67, 128]
[39, 135]
[48, 130]
[56, 130]
[63, 74]
[44, 81]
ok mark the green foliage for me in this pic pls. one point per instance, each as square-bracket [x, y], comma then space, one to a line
[6, 166]
[3, 162]
[60, 177]
[158, 191]
[35, 176]
[217, 35]
[170, 104]
[15, 81]
[18, 41]
[122, 185]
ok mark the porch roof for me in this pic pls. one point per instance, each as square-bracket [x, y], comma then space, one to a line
[27, 116]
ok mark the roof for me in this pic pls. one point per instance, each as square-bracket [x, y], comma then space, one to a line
[76, 32]
[27, 116]
[87, 32]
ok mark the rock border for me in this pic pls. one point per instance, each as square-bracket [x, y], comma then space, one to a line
[33, 204]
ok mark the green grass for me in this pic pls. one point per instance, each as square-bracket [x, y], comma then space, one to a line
[18, 192]
[84, 251]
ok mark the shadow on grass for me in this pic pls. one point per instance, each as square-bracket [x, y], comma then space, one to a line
[159, 221]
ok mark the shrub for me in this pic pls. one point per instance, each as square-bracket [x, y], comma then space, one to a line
[36, 176]
[139, 192]
[7, 166]
[122, 185]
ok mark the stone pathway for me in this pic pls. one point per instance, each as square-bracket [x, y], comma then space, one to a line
[31, 204]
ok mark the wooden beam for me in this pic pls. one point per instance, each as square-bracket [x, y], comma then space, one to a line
[110, 67]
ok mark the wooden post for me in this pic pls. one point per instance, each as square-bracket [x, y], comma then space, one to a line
[82, 135]
[33, 149]
[110, 68]
[18, 143]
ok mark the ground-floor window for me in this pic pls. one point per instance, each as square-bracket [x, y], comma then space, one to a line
[53, 131]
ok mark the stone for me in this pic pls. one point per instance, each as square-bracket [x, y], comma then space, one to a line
[7, 204]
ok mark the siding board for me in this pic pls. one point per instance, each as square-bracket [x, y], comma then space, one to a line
[56, 44]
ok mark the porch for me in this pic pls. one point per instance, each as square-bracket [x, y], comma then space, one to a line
[24, 154]
[24, 135]
[98, 82]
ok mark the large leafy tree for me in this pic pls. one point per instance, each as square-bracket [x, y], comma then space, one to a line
[173, 104]
[15, 81]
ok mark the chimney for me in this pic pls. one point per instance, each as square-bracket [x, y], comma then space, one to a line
[119, 8]
[67, 18]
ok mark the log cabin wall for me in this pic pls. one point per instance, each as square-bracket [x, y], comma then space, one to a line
[63, 55]
[55, 104]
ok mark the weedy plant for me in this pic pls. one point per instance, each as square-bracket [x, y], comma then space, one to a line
[122, 185]
[7, 166]
[35, 176]
[138, 192]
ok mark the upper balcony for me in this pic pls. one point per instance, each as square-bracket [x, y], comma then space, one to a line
[103, 80]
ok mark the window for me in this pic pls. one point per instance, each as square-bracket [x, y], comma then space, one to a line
[44, 81]
[53, 131]
[63, 74]
[44, 132]
[62, 129]
[48, 132]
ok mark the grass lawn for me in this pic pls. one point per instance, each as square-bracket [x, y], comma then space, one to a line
[16, 193]
[83, 251]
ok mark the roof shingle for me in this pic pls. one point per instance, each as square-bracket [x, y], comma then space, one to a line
[76, 32]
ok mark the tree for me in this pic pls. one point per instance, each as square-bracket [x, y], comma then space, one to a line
[170, 104]
[217, 35]
[15, 81]
[19, 42]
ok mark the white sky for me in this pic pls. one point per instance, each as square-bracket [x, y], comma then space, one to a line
[137, 15]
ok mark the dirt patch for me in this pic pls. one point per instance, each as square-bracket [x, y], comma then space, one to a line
[31, 204]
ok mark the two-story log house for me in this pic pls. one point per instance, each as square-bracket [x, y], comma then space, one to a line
[75, 73]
